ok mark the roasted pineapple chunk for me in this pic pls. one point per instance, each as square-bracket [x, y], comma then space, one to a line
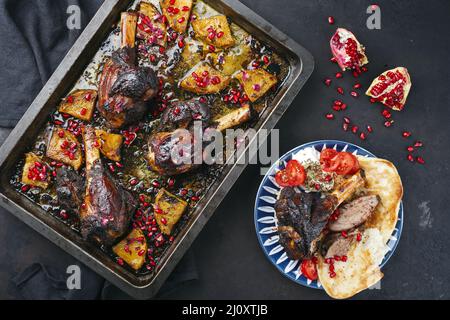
[204, 79]
[35, 171]
[80, 104]
[177, 13]
[110, 144]
[132, 249]
[150, 25]
[256, 82]
[64, 147]
[192, 52]
[214, 30]
[168, 210]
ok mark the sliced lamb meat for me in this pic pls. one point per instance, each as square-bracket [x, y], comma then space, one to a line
[354, 213]
[339, 247]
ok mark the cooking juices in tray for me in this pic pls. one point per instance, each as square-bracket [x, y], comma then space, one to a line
[99, 163]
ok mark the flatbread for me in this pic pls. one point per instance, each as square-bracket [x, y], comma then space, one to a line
[383, 179]
[361, 270]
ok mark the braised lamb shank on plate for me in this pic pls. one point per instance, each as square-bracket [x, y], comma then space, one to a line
[124, 87]
[107, 209]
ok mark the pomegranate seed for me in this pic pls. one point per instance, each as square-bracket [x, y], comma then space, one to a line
[265, 58]
[61, 133]
[25, 188]
[338, 102]
[181, 20]
[333, 59]
[418, 144]
[330, 20]
[359, 237]
[327, 82]
[355, 74]
[194, 198]
[356, 86]
[386, 114]
[63, 214]
[339, 75]
[347, 120]
[211, 48]
[172, 2]
[120, 261]
[364, 69]
[354, 94]
[332, 274]
[344, 258]
[185, 8]
[162, 50]
[256, 87]
[336, 108]
[406, 134]
[388, 123]
[70, 99]
[340, 90]
[164, 221]
[410, 158]
[344, 106]
[355, 129]
[373, 100]
[362, 136]
[329, 116]
[88, 97]
[369, 129]
[83, 111]
[420, 160]
[180, 43]
[134, 182]
[410, 149]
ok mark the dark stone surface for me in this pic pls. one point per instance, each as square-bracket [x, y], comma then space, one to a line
[231, 264]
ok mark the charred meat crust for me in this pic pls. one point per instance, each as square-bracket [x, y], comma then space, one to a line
[69, 188]
[181, 114]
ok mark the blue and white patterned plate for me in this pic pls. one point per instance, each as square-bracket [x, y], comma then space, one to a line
[266, 221]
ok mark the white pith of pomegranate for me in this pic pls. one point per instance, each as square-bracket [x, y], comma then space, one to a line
[347, 50]
[391, 88]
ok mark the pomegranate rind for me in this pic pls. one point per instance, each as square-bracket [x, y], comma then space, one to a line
[382, 97]
[342, 58]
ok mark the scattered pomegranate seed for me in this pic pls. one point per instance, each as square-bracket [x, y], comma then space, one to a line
[181, 20]
[373, 100]
[410, 149]
[339, 75]
[61, 133]
[357, 86]
[355, 74]
[354, 94]
[211, 48]
[83, 111]
[345, 126]
[340, 90]
[406, 134]
[329, 116]
[220, 34]
[386, 114]
[162, 50]
[344, 258]
[120, 261]
[327, 82]
[359, 237]
[420, 160]
[25, 188]
[70, 99]
[333, 59]
[336, 108]
[410, 158]
[181, 43]
[344, 234]
[185, 8]
[331, 20]
[364, 69]
[355, 129]
[344, 106]
[369, 129]
[418, 144]
[347, 120]
[362, 136]
[332, 274]
[164, 221]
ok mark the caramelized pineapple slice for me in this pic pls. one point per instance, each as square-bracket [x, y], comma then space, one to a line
[192, 52]
[214, 30]
[256, 82]
[80, 104]
[132, 249]
[64, 147]
[168, 210]
[35, 171]
[150, 25]
[110, 144]
[204, 79]
[177, 13]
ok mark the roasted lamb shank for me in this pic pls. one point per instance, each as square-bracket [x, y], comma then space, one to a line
[107, 208]
[182, 115]
[124, 87]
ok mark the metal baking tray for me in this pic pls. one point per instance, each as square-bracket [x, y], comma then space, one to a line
[301, 65]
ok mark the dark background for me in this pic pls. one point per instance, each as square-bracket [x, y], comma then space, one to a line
[230, 263]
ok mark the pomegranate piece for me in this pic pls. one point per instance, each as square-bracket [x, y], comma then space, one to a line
[347, 50]
[391, 88]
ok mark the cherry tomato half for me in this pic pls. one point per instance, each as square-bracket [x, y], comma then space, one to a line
[282, 178]
[308, 269]
[326, 157]
[296, 173]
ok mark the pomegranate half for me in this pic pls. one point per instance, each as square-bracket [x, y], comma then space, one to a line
[347, 50]
[391, 88]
